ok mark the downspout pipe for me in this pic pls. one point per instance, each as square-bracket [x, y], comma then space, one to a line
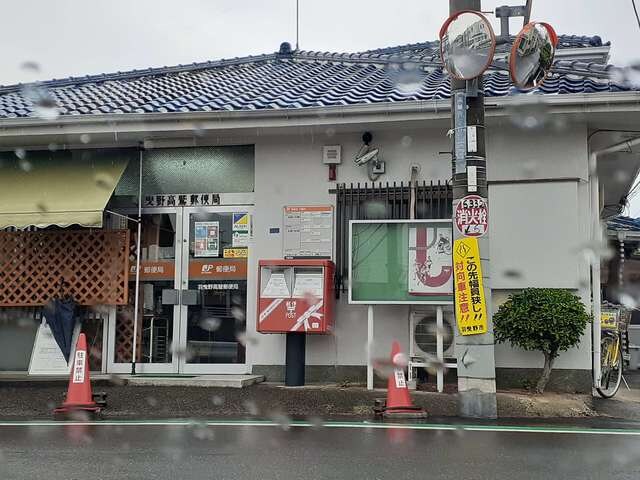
[596, 237]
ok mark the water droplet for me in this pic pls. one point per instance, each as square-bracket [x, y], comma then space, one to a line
[407, 77]
[210, 324]
[246, 339]
[198, 130]
[152, 401]
[20, 153]
[512, 274]
[627, 300]
[85, 138]
[375, 209]
[25, 165]
[181, 352]
[44, 105]
[406, 141]
[621, 176]
[217, 400]
[316, 423]
[400, 360]
[30, 66]
[310, 297]
[283, 421]
[238, 314]
[103, 180]
[116, 380]
[251, 407]
[529, 113]
[627, 76]
[53, 147]
[201, 430]
[330, 132]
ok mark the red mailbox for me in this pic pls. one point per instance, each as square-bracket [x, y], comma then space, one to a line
[295, 296]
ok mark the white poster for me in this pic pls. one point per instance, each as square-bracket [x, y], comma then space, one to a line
[46, 357]
[207, 239]
[276, 287]
[430, 261]
[308, 284]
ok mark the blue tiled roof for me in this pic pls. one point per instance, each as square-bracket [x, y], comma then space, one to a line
[285, 80]
[623, 223]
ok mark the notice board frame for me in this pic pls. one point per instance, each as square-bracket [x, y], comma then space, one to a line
[418, 300]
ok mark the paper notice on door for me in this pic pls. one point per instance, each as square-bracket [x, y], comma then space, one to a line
[276, 287]
[207, 239]
[308, 285]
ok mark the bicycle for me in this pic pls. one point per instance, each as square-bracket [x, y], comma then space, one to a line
[613, 324]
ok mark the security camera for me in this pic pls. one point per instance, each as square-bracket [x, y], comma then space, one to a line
[366, 157]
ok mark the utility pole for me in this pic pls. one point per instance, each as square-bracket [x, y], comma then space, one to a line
[476, 361]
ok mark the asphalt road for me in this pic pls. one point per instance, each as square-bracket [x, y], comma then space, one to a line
[311, 451]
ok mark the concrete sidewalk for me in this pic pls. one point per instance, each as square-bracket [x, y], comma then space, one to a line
[24, 400]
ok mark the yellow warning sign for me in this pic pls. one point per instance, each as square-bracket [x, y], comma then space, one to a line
[471, 308]
[235, 252]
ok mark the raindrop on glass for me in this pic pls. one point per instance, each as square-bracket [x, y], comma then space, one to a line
[529, 114]
[400, 360]
[375, 209]
[85, 138]
[210, 324]
[514, 274]
[44, 105]
[251, 407]
[25, 165]
[103, 180]
[238, 314]
[30, 66]
[406, 141]
[283, 421]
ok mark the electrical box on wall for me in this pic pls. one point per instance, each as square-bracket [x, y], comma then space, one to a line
[332, 154]
[295, 296]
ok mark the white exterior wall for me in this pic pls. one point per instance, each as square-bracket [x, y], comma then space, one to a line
[539, 230]
[548, 220]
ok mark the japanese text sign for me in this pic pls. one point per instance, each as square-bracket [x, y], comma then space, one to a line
[181, 200]
[471, 216]
[471, 308]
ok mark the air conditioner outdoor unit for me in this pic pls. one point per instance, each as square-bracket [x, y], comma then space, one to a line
[424, 332]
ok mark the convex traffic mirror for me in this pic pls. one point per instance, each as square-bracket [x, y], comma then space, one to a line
[532, 55]
[467, 44]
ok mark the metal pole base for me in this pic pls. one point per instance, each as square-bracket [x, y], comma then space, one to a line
[295, 359]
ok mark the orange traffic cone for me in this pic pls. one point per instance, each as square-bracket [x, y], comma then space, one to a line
[79, 395]
[399, 404]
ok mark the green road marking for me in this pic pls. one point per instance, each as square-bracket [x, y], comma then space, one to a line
[331, 424]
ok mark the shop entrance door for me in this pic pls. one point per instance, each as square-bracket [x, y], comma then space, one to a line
[216, 247]
[193, 293]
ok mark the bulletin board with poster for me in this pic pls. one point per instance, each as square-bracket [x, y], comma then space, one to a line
[400, 262]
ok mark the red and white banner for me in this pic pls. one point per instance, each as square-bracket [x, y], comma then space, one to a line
[430, 264]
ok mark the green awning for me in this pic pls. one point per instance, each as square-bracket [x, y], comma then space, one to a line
[61, 188]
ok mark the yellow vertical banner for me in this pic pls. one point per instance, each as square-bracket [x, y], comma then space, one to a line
[471, 308]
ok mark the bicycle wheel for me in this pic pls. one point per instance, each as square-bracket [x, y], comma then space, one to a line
[611, 373]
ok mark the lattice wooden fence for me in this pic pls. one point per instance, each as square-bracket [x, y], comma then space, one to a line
[93, 264]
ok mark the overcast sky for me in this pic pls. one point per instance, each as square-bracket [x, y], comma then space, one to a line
[78, 37]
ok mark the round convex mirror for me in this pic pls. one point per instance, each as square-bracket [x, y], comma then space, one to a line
[467, 44]
[532, 55]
